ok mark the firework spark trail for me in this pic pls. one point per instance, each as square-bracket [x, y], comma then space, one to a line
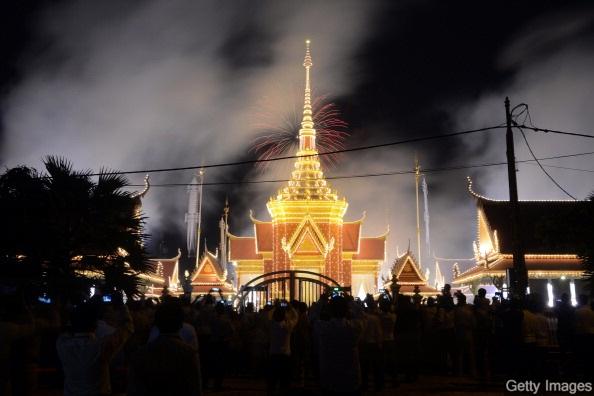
[281, 138]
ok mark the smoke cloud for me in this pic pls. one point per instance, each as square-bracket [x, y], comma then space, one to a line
[170, 83]
[552, 61]
[177, 83]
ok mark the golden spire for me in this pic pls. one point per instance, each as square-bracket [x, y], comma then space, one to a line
[307, 133]
[307, 179]
[307, 193]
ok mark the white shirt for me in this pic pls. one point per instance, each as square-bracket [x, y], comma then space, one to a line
[85, 359]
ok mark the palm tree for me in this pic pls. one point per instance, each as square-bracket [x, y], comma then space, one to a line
[70, 229]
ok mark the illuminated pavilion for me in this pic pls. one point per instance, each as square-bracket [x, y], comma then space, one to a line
[307, 230]
[550, 254]
[409, 277]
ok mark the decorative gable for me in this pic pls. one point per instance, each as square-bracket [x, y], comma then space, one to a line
[410, 278]
[208, 271]
[208, 268]
[307, 239]
[408, 272]
[308, 244]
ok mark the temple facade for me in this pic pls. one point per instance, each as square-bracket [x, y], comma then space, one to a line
[551, 253]
[307, 229]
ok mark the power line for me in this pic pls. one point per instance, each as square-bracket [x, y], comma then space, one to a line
[391, 173]
[565, 167]
[453, 259]
[247, 162]
[526, 111]
[536, 129]
[543, 169]
[369, 147]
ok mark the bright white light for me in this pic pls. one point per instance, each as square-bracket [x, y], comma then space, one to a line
[361, 293]
[550, 293]
[505, 290]
[563, 277]
[484, 249]
[92, 291]
[527, 289]
[572, 291]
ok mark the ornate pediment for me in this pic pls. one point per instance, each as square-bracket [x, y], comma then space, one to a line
[208, 270]
[307, 239]
[407, 270]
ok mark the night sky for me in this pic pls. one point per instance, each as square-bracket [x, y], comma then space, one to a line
[176, 83]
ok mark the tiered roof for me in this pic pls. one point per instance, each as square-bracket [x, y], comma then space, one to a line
[165, 274]
[210, 274]
[410, 277]
[307, 179]
[251, 248]
[548, 237]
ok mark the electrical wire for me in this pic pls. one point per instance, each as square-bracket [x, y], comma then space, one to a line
[349, 150]
[526, 110]
[565, 167]
[373, 146]
[361, 148]
[543, 169]
[453, 259]
[391, 173]
[536, 129]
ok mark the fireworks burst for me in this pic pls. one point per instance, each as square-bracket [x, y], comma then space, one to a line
[282, 138]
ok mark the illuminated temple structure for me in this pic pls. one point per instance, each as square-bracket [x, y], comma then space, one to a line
[307, 230]
[548, 236]
[410, 279]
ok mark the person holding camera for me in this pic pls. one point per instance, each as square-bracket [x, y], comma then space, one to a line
[283, 320]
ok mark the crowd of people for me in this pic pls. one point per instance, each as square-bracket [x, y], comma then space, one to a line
[341, 344]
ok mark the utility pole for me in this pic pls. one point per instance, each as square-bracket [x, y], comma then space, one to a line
[519, 275]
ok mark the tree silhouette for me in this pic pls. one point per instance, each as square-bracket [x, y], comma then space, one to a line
[66, 230]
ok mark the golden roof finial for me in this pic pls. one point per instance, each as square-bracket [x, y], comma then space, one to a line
[307, 132]
[307, 179]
